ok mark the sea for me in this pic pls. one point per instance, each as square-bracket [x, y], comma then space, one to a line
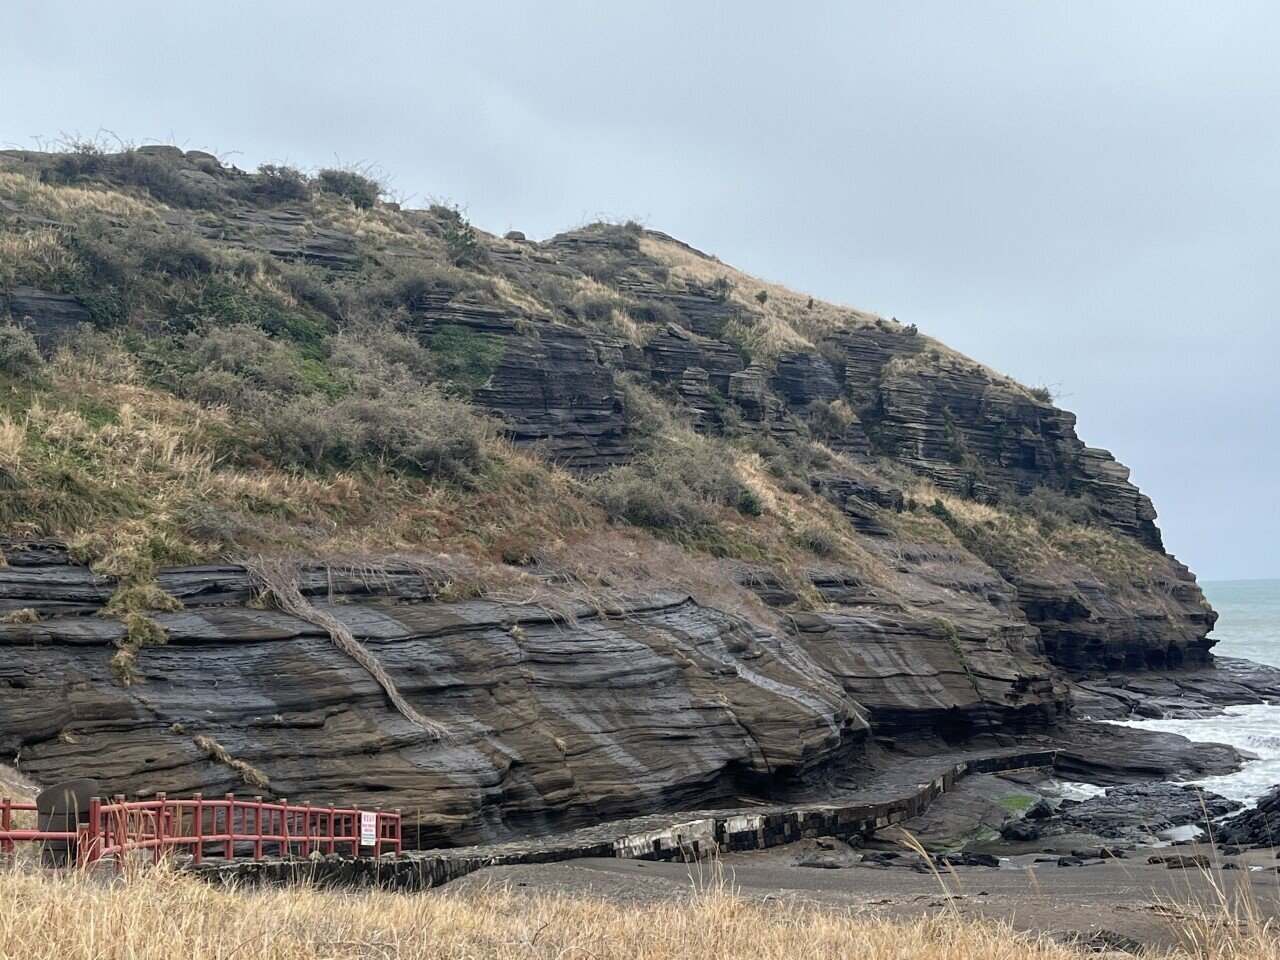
[1248, 627]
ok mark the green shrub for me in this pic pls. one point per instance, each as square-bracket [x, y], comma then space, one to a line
[819, 541]
[280, 184]
[307, 285]
[232, 362]
[19, 353]
[377, 357]
[425, 432]
[461, 240]
[161, 177]
[82, 158]
[362, 191]
[674, 486]
[466, 358]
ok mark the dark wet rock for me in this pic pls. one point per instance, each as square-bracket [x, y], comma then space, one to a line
[968, 860]
[1179, 694]
[1040, 810]
[1101, 853]
[822, 863]
[1180, 861]
[882, 856]
[1259, 826]
[1107, 755]
[1020, 831]
[1140, 811]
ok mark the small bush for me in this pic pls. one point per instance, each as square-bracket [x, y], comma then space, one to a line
[233, 364]
[362, 191]
[410, 287]
[377, 358]
[424, 431]
[280, 184]
[19, 353]
[461, 240]
[819, 541]
[677, 485]
[465, 357]
[82, 158]
[307, 285]
[161, 178]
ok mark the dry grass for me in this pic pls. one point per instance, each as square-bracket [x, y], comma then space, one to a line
[62, 202]
[15, 785]
[218, 754]
[159, 915]
[32, 255]
[788, 320]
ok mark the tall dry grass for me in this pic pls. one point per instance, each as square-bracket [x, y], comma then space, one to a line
[161, 915]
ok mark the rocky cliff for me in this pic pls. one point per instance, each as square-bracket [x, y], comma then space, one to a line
[706, 538]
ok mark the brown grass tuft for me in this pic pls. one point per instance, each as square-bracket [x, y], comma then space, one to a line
[159, 915]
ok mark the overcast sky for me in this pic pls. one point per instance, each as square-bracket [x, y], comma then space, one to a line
[1084, 195]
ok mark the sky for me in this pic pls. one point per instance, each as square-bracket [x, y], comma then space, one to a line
[1083, 195]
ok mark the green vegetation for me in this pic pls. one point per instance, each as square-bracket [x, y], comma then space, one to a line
[466, 358]
[361, 190]
[282, 363]
[1016, 802]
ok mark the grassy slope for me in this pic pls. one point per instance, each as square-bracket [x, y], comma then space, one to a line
[233, 403]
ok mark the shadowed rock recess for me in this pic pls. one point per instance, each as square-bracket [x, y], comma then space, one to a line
[907, 552]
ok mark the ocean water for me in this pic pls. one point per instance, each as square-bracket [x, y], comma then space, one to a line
[1248, 627]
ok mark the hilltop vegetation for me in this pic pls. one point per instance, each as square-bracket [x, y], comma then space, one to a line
[282, 363]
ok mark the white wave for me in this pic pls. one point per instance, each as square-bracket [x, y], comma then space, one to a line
[1252, 729]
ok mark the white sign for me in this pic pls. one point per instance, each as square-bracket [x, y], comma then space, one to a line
[368, 828]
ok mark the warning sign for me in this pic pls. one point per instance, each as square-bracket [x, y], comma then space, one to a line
[368, 829]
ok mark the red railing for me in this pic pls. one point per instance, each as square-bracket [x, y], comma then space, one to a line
[210, 828]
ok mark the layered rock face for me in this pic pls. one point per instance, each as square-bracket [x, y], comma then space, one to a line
[915, 625]
[658, 704]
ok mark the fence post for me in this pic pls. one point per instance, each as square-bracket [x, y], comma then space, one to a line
[399, 837]
[229, 850]
[6, 845]
[197, 828]
[284, 826]
[332, 842]
[306, 829]
[257, 834]
[89, 847]
[122, 830]
[158, 850]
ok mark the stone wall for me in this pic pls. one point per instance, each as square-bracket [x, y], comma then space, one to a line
[678, 837]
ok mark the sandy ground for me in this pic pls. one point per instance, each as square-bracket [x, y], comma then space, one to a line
[1131, 897]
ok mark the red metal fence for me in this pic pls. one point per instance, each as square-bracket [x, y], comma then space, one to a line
[229, 828]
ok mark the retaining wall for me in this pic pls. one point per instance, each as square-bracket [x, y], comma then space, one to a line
[688, 836]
